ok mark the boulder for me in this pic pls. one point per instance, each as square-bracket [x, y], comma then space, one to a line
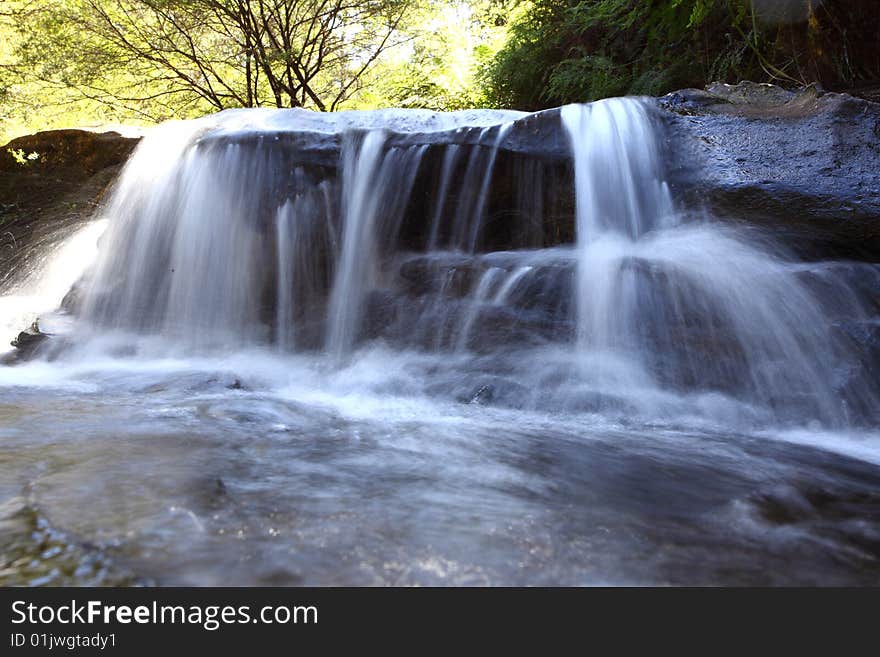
[27, 344]
[803, 165]
[50, 184]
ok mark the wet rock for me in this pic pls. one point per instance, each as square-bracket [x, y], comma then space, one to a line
[449, 274]
[484, 389]
[802, 165]
[760, 98]
[783, 505]
[380, 312]
[36, 552]
[28, 344]
[29, 340]
[64, 177]
[81, 150]
[500, 325]
[847, 291]
[546, 285]
[856, 384]
[72, 300]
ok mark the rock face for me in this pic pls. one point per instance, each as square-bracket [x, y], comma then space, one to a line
[53, 185]
[70, 150]
[804, 165]
[27, 344]
[50, 185]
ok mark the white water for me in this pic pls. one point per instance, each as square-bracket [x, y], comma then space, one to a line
[221, 239]
[482, 294]
[361, 206]
[644, 278]
[376, 189]
[449, 162]
[42, 289]
[386, 401]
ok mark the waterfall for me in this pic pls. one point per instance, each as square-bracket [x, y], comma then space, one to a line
[439, 234]
[470, 214]
[650, 285]
[306, 247]
[183, 254]
[449, 161]
[481, 295]
[478, 218]
[41, 289]
[376, 190]
[509, 285]
[361, 205]
[619, 195]
[406, 347]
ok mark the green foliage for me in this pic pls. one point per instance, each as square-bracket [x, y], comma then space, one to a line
[568, 76]
[452, 42]
[92, 63]
[21, 157]
[564, 51]
[66, 63]
[177, 57]
[584, 50]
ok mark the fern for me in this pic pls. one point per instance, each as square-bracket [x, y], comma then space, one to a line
[568, 50]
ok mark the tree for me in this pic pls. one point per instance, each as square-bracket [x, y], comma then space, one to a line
[452, 42]
[96, 62]
[161, 58]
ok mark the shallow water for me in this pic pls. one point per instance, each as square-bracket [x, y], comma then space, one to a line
[256, 469]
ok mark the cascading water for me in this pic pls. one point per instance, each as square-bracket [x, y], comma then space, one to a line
[409, 347]
[224, 236]
[302, 232]
[649, 287]
[41, 290]
[376, 188]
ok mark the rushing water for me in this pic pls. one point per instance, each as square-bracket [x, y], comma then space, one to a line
[39, 290]
[285, 369]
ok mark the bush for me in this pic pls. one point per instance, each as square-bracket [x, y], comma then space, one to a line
[565, 51]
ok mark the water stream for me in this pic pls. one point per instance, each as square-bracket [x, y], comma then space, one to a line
[306, 362]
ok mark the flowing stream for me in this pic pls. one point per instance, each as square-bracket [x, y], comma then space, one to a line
[344, 349]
